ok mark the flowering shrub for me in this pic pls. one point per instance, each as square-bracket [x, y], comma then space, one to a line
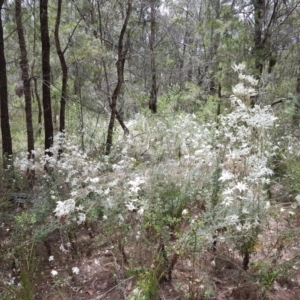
[173, 182]
[245, 150]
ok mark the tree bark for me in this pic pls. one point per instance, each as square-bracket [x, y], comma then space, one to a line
[47, 110]
[64, 69]
[26, 88]
[38, 99]
[296, 113]
[5, 126]
[35, 94]
[258, 38]
[122, 51]
[118, 115]
[154, 89]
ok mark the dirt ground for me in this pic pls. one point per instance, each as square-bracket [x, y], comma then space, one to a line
[218, 275]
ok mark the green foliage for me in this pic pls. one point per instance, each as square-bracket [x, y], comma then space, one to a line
[188, 99]
[146, 287]
[268, 276]
[208, 111]
[25, 261]
[291, 174]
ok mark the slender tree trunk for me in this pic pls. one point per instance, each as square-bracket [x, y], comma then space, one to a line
[118, 115]
[38, 99]
[33, 77]
[26, 88]
[258, 38]
[296, 113]
[122, 51]
[48, 125]
[5, 126]
[154, 89]
[81, 120]
[258, 50]
[64, 69]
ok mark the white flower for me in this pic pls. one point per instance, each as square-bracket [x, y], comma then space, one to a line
[63, 208]
[227, 201]
[130, 206]
[135, 184]
[185, 212]
[75, 270]
[291, 213]
[267, 206]
[241, 91]
[247, 225]
[96, 262]
[79, 207]
[241, 186]
[232, 220]
[63, 249]
[297, 198]
[245, 210]
[141, 211]
[54, 273]
[95, 180]
[74, 181]
[138, 235]
[226, 175]
[51, 258]
[238, 67]
[105, 218]
[248, 78]
[228, 191]
[80, 218]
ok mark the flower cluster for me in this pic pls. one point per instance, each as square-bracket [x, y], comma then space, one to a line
[246, 149]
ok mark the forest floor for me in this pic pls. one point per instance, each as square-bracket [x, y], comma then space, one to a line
[215, 275]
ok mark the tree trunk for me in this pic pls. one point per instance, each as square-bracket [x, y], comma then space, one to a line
[118, 115]
[48, 125]
[35, 94]
[296, 113]
[38, 99]
[5, 126]
[153, 91]
[26, 88]
[258, 38]
[64, 69]
[122, 51]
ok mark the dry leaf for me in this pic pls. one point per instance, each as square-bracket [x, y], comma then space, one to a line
[129, 286]
[90, 292]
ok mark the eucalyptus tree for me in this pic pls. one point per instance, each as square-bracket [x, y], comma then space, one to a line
[152, 39]
[26, 86]
[47, 109]
[34, 72]
[64, 68]
[5, 126]
[123, 45]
